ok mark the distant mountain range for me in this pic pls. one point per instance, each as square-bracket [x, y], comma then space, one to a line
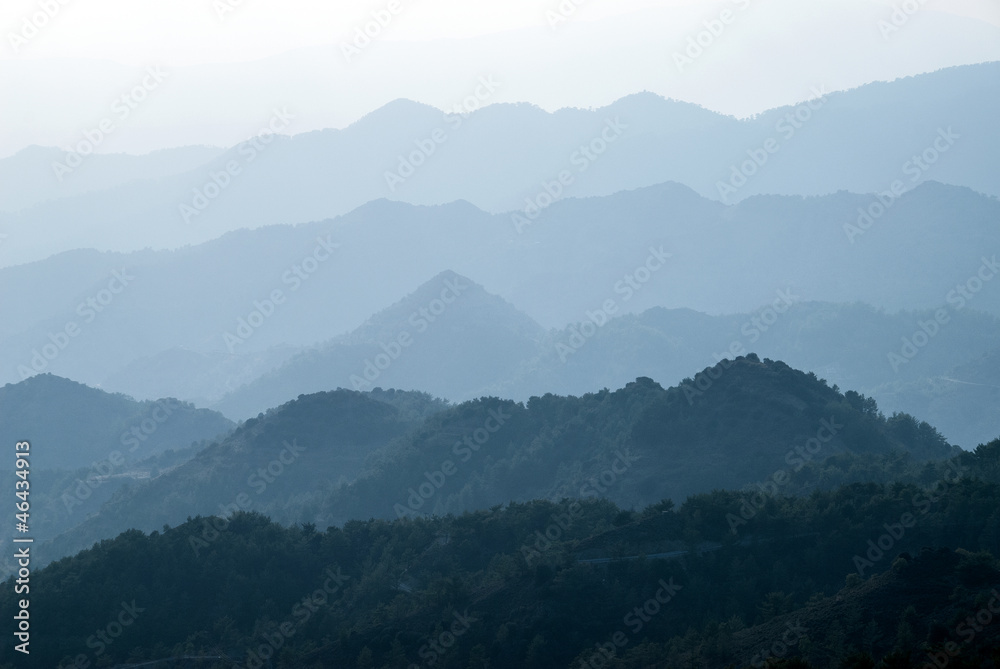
[933, 126]
[480, 345]
[157, 324]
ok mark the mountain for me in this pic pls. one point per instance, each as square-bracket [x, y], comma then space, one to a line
[279, 464]
[639, 140]
[70, 425]
[569, 262]
[449, 338]
[850, 345]
[87, 444]
[635, 446]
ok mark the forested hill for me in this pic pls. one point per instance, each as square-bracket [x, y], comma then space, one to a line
[72, 425]
[279, 464]
[737, 423]
[543, 585]
[333, 457]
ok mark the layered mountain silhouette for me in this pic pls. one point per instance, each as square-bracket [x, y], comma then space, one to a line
[569, 262]
[625, 386]
[487, 347]
[289, 179]
[329, 457]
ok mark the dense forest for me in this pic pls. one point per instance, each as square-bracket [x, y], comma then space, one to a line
[870, 573]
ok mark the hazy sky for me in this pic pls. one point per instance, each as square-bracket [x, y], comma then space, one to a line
[227, 63]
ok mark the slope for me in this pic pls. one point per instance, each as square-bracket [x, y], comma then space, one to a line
[279, 464]
[449, 338]
[71, 425]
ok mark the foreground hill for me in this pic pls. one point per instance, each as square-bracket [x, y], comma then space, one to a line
[636, 445]
[547, 585]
